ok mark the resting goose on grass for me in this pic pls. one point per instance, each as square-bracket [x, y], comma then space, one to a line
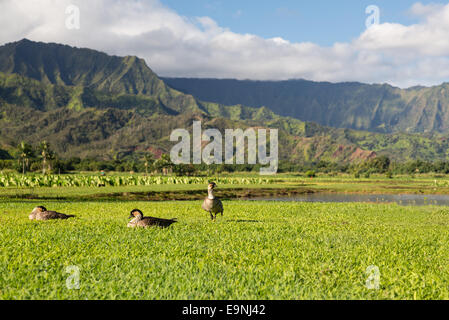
[41, 213]
[138, 220]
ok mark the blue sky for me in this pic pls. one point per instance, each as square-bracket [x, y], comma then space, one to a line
[320, 40]
[320, 21]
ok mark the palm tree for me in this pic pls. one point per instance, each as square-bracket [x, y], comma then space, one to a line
[148, 159]
[26, 152]
[44, 148]
[51, 156]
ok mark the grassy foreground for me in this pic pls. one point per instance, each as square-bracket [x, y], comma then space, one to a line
[258, 250]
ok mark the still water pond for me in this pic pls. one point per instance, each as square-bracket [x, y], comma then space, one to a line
[401, 199]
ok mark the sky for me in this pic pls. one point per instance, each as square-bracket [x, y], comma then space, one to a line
[323, 22]
[316, 40]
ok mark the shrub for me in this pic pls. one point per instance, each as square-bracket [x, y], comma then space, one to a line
[310, 174]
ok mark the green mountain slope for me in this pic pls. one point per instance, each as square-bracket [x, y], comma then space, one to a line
[104, 133]
[90, 70]
[89, 104]
[377, 108]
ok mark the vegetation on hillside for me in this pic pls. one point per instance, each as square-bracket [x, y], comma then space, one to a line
[376, 108]
[90, 105]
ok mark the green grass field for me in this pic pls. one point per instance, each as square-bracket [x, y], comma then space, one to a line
[258, 250]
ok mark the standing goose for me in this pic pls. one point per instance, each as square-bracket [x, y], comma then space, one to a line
[41, 213]
[212, 204]
[138, 220]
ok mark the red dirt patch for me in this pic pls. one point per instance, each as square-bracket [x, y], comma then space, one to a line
[360, 154]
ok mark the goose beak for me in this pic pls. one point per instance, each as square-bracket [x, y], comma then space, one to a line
[130, 216]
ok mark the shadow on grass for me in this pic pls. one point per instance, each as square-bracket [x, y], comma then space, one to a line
[244, 221]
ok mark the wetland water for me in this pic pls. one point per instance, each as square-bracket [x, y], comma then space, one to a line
[401, 199]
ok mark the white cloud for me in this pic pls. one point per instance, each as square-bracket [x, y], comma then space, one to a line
[418, 9]
[179, 46]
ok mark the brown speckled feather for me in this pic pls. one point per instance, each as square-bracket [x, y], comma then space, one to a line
[152, 222]
[143, 222]
[51, 215]
[212, 204]
[41, 213]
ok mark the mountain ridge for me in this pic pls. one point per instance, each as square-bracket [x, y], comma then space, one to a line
[89, 104]
[376, 108]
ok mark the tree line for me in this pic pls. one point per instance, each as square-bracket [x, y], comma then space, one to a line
[41, 158]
